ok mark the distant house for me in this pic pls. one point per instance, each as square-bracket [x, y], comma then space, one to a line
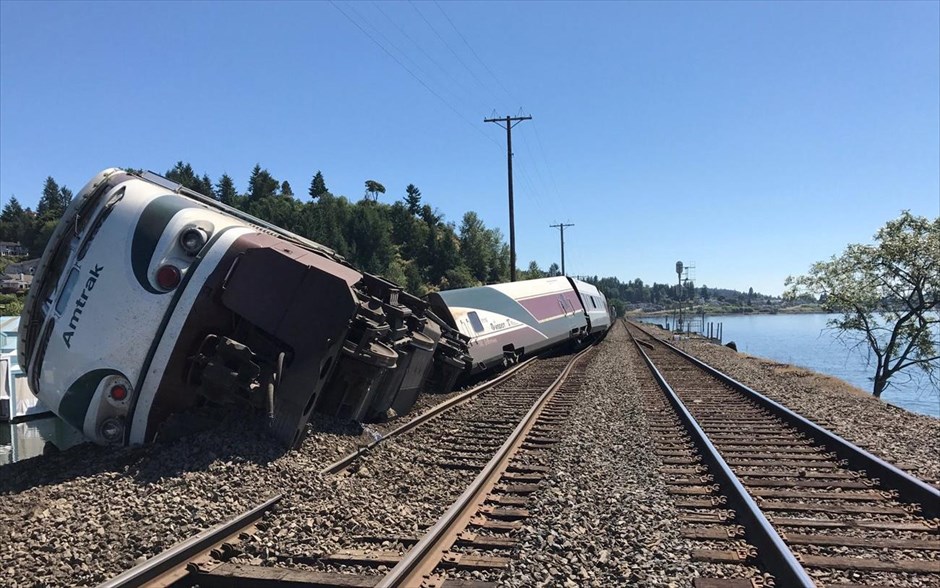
[12, 249]
[13, 284]
[18, 277]
[23, 267]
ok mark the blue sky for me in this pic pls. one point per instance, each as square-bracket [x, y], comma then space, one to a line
[750, 139]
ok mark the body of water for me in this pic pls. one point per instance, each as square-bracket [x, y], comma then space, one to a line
[803, 340]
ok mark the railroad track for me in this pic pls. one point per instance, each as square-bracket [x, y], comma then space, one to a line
[776, 498]
[497, 444]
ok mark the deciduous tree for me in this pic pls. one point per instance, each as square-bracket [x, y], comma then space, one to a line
[887, 296]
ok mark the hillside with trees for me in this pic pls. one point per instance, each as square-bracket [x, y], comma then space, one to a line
[407, 240]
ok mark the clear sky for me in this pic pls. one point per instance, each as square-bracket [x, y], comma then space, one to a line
[748, 138]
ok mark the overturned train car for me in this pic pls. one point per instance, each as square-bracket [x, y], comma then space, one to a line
[505, 322]
[151, 299]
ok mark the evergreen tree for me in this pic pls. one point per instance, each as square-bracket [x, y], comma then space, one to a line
[317, 186]
[261, 184]
[203, 185]
[15, 223]
[225, 190]
[413, 199]
[50, 203]
[286, 189]
[474, 247]
[182, 174]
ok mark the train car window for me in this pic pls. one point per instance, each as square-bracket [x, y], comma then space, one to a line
[594, 302]
[475, 321]
[83, 248]
[66, 291]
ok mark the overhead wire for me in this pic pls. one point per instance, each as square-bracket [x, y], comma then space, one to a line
[551, 190]
[474, 53]
[446, 44]
[453, 79]
[412, 74]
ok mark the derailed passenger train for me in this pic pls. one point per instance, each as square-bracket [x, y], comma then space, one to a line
[152, 299]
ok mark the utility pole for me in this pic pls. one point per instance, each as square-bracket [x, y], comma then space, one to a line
[562, 227]
[510, 122]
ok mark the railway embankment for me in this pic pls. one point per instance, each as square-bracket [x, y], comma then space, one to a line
[909, 440]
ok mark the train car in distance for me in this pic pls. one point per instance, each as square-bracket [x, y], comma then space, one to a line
[152, 299]
[506, 321]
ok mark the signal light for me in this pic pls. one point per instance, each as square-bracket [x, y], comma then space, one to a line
[118, 392]
[168, 277]
[192, 240]
[112, 429]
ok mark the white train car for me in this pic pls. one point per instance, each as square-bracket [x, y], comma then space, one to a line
[506, 321]
[599, 317]
[151, 299]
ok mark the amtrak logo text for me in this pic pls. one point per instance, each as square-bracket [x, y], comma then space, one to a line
[80, 304]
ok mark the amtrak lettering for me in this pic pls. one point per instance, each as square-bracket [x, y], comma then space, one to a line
[80, 304]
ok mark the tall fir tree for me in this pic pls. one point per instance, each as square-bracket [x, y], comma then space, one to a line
[413, 199]
[317, 186]
[225, 190]
[261, 184]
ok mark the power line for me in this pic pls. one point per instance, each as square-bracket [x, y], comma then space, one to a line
[446, 44]
[470, 47]
[456, 81]
[419, 80]
[551, 173]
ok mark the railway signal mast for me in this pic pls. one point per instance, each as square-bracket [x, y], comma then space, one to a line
[679, 293]
[508, 123]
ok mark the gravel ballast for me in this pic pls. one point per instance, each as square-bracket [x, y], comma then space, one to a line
[910, 440]
[602, 518]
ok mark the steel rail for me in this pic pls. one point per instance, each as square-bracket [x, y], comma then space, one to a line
[344, 462]
[911, 489]
[184, 551]
[428, 552]
[771, 549]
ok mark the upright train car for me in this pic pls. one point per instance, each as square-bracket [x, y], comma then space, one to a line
[151, 299]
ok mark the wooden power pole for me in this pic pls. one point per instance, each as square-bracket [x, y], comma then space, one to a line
[562, 227]
[508, 123]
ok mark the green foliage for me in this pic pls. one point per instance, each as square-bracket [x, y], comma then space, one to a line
[261, 184]
[373, 189]
[11, 304]
[225, 191]
[317, 186]
[413, 199]
[408, 241]
[887, 296]
[183, 174]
